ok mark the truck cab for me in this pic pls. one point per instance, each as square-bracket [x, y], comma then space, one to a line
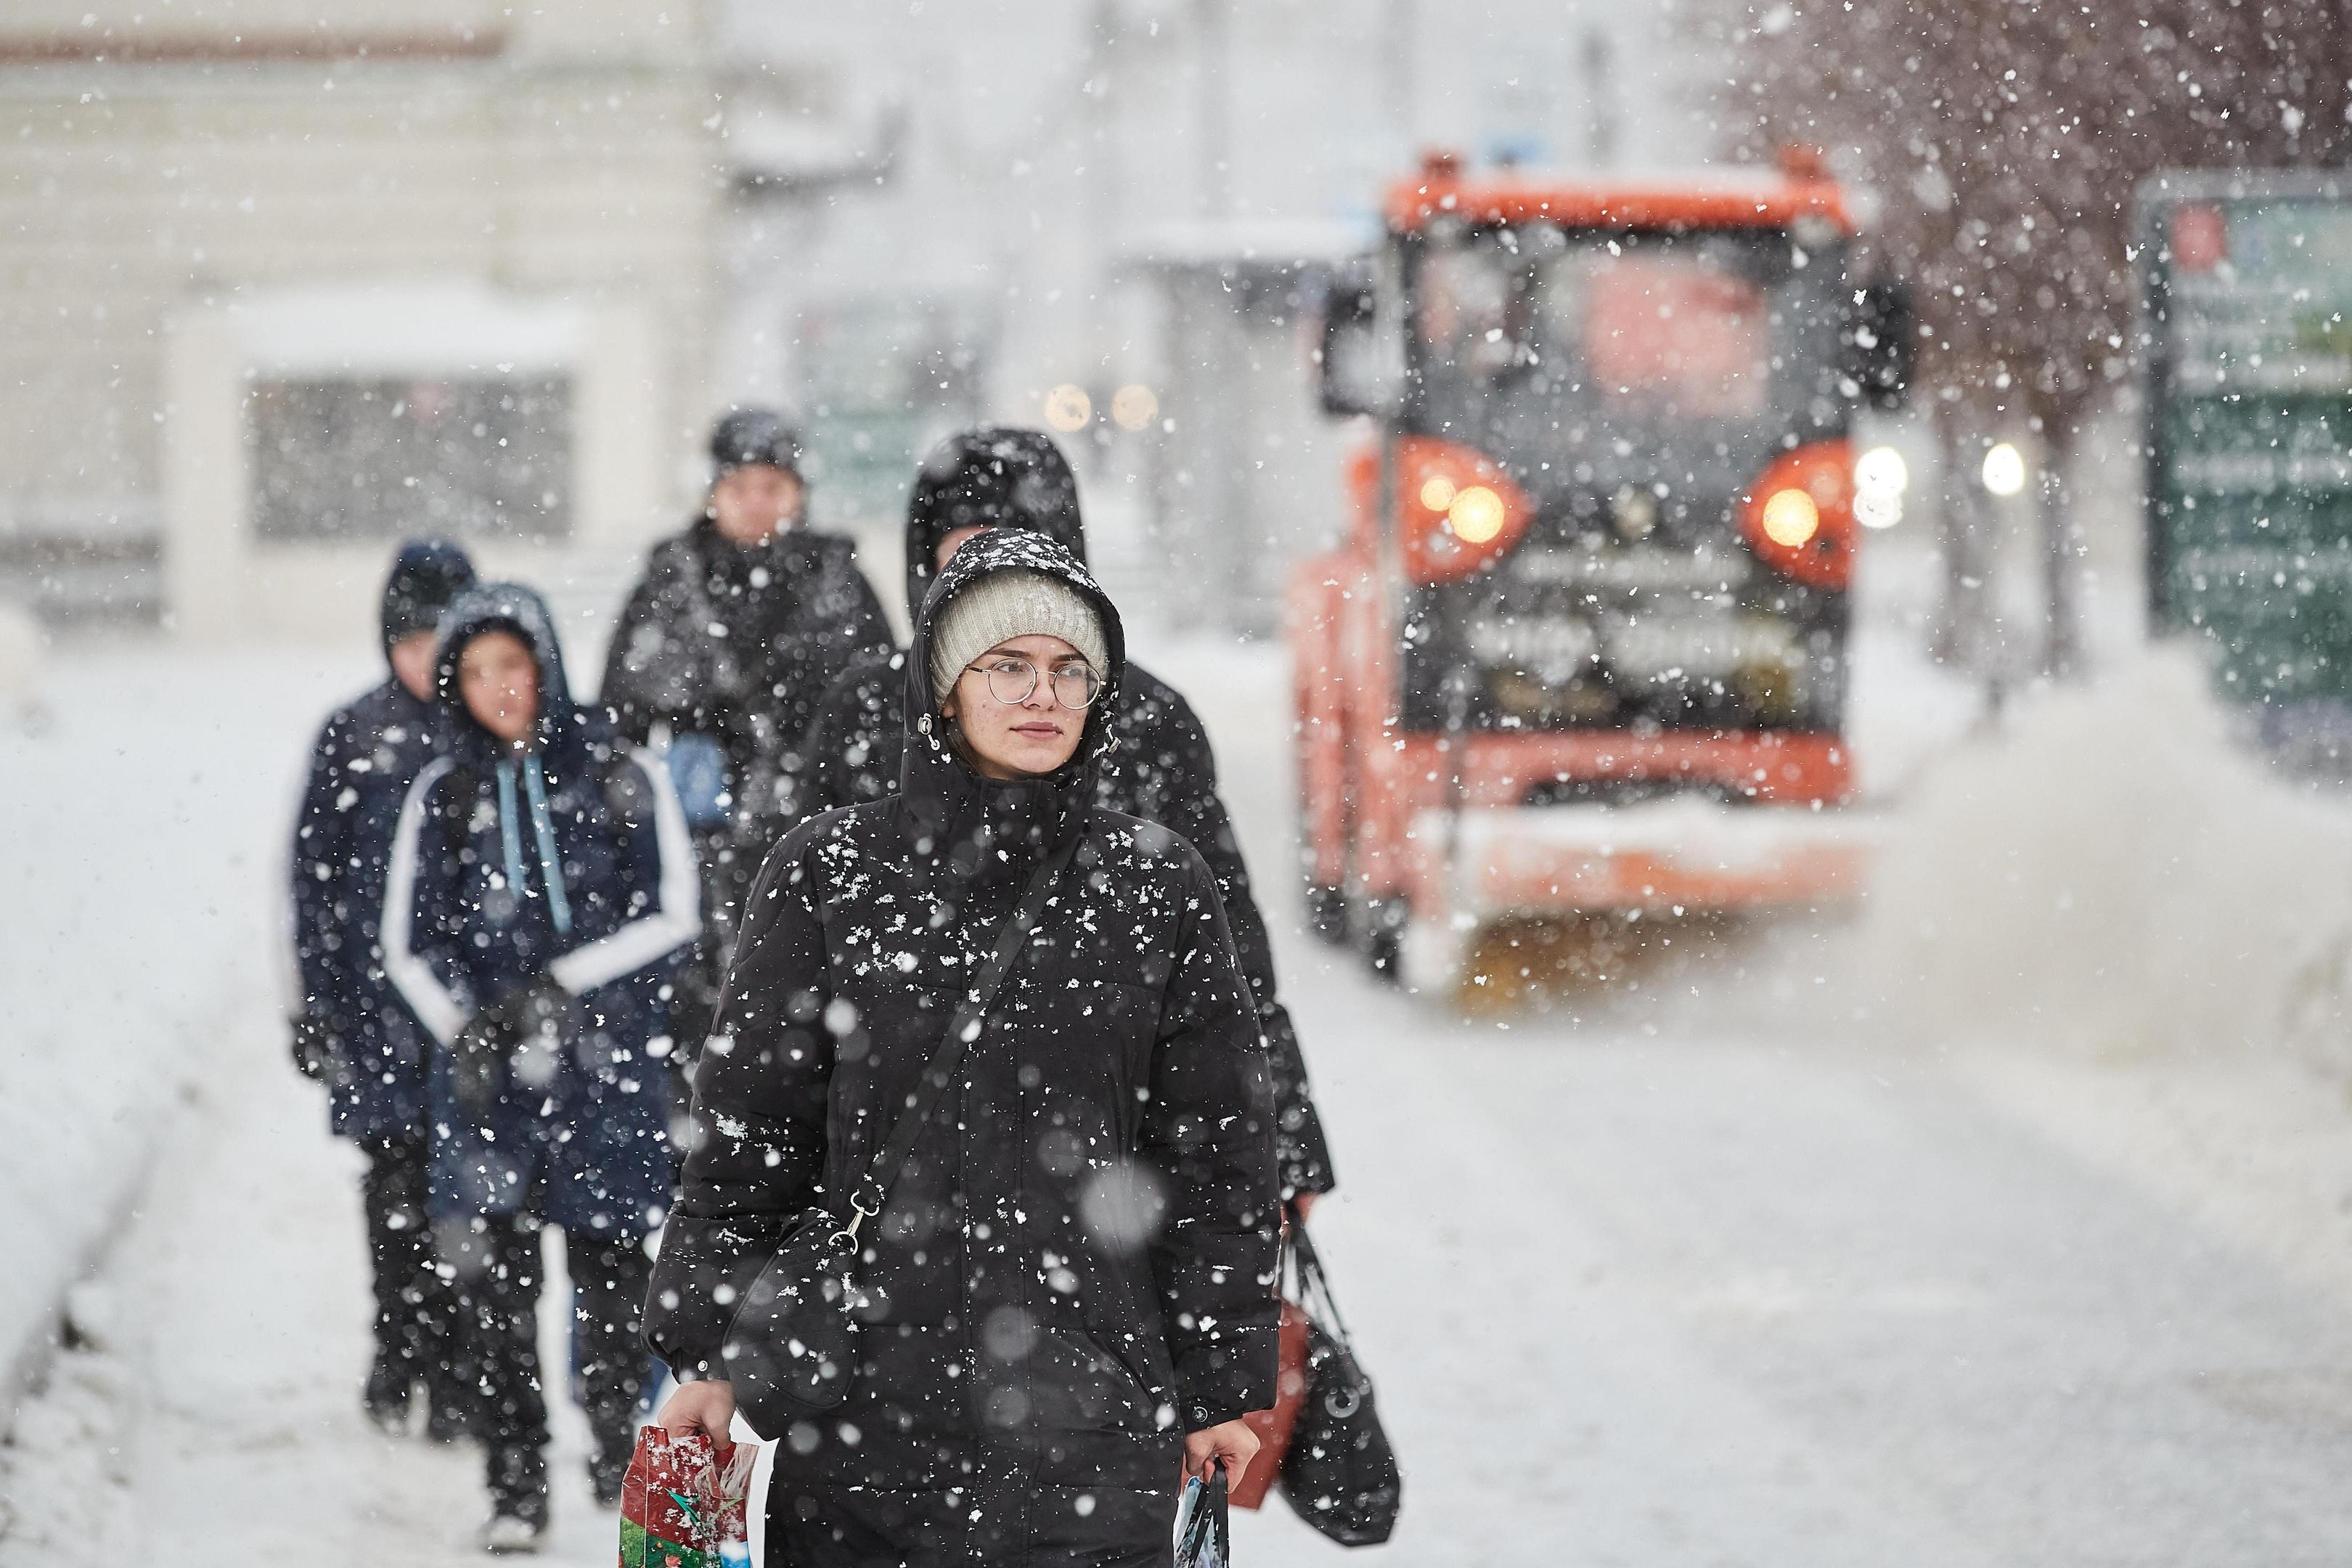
[1583, 646]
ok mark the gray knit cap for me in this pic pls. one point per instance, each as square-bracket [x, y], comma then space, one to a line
[1007, 604]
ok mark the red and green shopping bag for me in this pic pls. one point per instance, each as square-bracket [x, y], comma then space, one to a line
[684, 1503]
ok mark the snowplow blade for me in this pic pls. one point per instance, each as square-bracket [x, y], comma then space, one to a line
[1682, 858]
[1693, 855]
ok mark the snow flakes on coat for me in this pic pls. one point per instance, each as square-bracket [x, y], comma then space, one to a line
[1160, 766]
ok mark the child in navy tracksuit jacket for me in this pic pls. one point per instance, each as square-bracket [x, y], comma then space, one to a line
[350, 1028]
[544, 893]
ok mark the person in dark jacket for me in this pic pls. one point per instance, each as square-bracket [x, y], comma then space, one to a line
[1161, 767]
[542, 894]
[738, 625]
[351, 1029]
[1074, 1268]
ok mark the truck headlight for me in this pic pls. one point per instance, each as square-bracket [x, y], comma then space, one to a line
[1790, 518]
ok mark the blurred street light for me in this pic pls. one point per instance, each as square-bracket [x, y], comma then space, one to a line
[1068, 408]
[1134, 406]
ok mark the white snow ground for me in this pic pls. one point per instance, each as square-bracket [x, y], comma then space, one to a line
[143, 804]
[1768, 1260]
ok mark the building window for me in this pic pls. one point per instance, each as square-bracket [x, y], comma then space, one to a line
[371, 460]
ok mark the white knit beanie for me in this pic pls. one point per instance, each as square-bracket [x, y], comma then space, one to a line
[1007, 604]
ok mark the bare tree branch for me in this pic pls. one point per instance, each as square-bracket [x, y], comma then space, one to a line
[2007, 137]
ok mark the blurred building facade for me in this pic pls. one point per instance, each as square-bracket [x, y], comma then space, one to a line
[1116, 194]
[283, 282]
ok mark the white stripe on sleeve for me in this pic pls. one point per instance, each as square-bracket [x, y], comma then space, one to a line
[435, 1005]
[678, 921]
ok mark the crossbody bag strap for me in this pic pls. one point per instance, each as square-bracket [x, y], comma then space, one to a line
[866, 1200]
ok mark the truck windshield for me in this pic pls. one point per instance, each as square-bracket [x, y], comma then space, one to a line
[1633, 385]
[1588, 358]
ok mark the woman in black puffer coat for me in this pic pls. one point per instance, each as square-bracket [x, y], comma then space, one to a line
[1075, 1267]
[1158, 765]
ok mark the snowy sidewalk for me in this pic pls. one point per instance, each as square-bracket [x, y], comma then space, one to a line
[238, 1310]
[145, 824]
[216, 1419]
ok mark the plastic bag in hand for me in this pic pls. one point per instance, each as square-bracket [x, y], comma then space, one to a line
[685, 1504]
[1205, 1534]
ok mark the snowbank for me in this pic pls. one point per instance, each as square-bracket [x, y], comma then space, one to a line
[2104, 870]
[145, 821]
[2109, 871]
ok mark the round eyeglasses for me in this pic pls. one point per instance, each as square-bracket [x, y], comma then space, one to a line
[1011, 680]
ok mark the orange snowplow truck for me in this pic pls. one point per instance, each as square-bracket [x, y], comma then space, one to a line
[1583, 647]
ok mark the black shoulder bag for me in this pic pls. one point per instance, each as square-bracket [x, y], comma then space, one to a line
[1338, 1473]
[792, 1350]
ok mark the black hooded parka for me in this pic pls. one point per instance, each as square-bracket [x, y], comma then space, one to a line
[1158, 764]
[1076, 1265]
[736, 644]
[365, 758]
[567, 864]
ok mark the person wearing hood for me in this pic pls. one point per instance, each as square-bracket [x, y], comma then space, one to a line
[351, 1029]
[738, 625]
[1160, 766]
[541, 897]
[1068, 1285]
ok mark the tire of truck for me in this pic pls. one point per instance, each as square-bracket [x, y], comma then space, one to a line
[1379, 937]
[1327, 914]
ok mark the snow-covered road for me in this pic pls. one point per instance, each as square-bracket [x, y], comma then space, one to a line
[1674, 1283]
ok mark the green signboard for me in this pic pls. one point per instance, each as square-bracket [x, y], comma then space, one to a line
[2248, 282]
